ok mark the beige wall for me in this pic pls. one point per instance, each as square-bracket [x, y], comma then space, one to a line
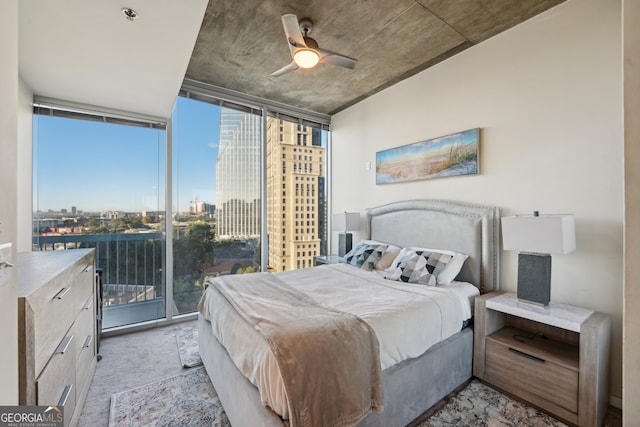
[547, 95]
[8, 198]
[24, 167]
[631, 370]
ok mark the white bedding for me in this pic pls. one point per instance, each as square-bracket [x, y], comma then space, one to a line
[407, 319]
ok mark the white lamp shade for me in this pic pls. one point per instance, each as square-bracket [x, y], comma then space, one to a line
[345, 221]
[541, 234]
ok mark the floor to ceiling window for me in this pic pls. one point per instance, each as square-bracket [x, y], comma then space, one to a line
[216, 196]
[248, 192]
[99, 182]
[217, 163]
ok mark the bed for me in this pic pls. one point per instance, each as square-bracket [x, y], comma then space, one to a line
[411, 382]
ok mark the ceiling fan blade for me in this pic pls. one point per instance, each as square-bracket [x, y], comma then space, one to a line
[292, 31]
[284, 70]
[328, 57]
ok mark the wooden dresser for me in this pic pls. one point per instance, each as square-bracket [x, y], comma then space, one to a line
[56, 328]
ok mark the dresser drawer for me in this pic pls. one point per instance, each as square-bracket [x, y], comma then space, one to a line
[83, 282]
[546, 383]
[53, 310]
[84, 328]
[56, 384]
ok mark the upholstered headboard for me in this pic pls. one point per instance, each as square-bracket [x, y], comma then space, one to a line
[442, 224]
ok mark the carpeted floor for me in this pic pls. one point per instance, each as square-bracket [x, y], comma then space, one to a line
[129, 361]
[141, 381]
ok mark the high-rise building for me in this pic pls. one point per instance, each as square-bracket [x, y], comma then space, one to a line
[238, 175]
[295, 173]
[296, 205]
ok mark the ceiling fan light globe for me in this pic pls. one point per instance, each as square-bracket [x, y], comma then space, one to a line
[306, 58]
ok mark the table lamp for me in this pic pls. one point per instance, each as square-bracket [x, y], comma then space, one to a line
[345, 222]
[536, 237]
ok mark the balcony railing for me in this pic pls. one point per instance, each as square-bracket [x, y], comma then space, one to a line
[133, 266]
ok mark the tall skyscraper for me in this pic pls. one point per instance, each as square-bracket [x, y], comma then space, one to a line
[296, 205]
[238, 175]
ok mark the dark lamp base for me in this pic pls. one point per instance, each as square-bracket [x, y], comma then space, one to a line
[345, 243]
[534, 278]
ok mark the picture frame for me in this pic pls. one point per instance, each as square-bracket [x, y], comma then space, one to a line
[456, 154]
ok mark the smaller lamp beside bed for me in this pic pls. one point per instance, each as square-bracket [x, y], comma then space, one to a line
[344, 222]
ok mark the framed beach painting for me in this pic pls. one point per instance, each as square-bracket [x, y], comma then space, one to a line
[450, 155]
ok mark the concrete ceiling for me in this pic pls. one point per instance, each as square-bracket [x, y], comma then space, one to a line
[242, 42]
[85, 51]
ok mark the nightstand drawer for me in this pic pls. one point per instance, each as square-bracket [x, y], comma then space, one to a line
[544, 382]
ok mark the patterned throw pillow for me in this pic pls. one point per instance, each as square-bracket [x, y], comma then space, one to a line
[452, 268]
[418, 266]
[365, 255]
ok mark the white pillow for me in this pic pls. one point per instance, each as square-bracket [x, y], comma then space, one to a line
[453, 267]
[388, 256]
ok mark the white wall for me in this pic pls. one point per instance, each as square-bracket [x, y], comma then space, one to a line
[8, 197]
[631, 349]
[547, 95]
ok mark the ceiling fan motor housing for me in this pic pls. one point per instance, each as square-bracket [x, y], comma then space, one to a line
[306, 25]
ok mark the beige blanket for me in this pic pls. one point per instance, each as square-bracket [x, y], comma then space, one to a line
[329, 360]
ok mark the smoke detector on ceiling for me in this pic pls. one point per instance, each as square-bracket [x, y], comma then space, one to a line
[131, 14]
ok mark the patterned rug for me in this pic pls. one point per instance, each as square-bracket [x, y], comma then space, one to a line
[187, 340]
[189, 399]
[184, 400]
[480, 405]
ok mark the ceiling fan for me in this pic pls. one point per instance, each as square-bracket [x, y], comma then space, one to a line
[304, 50]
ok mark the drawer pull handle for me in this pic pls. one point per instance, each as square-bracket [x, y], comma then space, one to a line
[65, 395]
[64, 345]
[88, 341]
[62, 293]
[522, 353]
[87, 269]
[88, 304]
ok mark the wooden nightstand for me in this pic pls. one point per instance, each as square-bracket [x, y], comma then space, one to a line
[327, 259]
[554, 357]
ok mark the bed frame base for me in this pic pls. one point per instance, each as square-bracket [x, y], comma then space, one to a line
[410, 387]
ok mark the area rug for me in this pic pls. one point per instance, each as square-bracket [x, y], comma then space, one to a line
[187, 399]
[187, 340]
[480, 405]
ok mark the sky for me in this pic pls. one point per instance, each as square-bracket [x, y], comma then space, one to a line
[104, 167]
